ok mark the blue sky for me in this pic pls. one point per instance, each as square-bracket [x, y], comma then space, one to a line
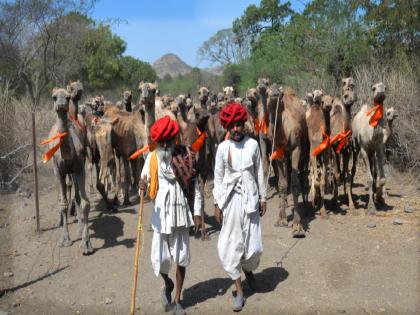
[152, 28]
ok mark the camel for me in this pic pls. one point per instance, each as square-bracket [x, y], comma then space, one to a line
[318, 122]
[228, 94]
[369, 133]
[251, 104]
[69, 159]
[204, 168]
[341, 138]
[125, 103]
[262, 87]
[288, 126]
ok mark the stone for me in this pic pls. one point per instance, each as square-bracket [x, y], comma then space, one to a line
[408, 209]
[371, 224]
[397, 221]
[108, 300]
[8, 274]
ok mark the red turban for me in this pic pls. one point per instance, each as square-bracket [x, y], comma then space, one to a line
[231, 113]
[164, 129]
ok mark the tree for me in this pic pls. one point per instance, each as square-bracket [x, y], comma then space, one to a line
[31, 32]
[269, 15]
[223, 48]
[105, 51]
[133, 71]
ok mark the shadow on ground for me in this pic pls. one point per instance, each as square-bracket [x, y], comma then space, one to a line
[267, 281]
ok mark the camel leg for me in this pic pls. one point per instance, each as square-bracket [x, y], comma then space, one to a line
[369, 161]
[204, 235]
[101, 188]
[337, 176]
[380, 155]
[295, 189]
[282, 184]
[90, 168]
[263, 149]
[323, 184]
[347, 178]
[65, 236]
[314, 181]
[134, 174]
[85, 244]
[127, 181]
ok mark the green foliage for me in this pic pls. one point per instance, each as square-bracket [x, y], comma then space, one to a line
[105, 51]
[324, 43]
[133, 71]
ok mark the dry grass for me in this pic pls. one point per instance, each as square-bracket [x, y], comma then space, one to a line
[16, 133]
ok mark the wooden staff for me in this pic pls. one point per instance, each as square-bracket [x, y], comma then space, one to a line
[136, 259]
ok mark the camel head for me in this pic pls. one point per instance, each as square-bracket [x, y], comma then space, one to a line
[61, 99]
[348, 92]
[82, 109]
[309, 98]
[252, 95]
[189, 103]
[275, 94]
[203, 94]
[262, 85]
[181, 101]
[391, 114]
[327, 102]
[127, 96]
[147, 93]
[317, 97]
[220, 97]
[201, 116]
[228, 94]
[75, 89]
[379, 90]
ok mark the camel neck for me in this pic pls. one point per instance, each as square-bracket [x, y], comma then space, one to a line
[74, 107]
[149, 119]
[327, 122]
[63, 127]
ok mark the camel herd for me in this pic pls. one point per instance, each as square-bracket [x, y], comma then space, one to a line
[309, 146]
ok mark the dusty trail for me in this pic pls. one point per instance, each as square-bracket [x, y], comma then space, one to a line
[342, 266]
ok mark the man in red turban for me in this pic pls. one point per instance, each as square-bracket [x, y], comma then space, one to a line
[240, 199]
[171, 218]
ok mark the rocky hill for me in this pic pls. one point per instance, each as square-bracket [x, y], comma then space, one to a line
[170, 64]
[173, 65]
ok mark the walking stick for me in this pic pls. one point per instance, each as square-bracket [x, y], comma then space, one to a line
[136, 259]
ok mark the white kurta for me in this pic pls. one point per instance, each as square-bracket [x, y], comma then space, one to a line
[239, 187]
[171, 219]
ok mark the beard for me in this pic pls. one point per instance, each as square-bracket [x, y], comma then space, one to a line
[237, 136]
[164, 154]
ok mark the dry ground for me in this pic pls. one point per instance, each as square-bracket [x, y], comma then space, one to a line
[342, 266]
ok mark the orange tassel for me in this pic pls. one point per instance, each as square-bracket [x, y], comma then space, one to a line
[145, 149]
[277, 154]
[74, 118]
[50, 153]
[323, 145]
[227, 136]
[257, 126]
[378, 113]
[199, 142]
[342, 138]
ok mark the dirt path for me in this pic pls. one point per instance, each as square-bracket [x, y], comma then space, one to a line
[342, 266]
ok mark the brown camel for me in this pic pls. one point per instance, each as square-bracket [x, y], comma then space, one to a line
[69, 158]
[369, 132]
[229, 94]
[288, 126]
[341, 138]
[318, 122]
[203, 166]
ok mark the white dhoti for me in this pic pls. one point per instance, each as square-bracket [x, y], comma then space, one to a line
[168, 248]
[239, 184]
[240, 242]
